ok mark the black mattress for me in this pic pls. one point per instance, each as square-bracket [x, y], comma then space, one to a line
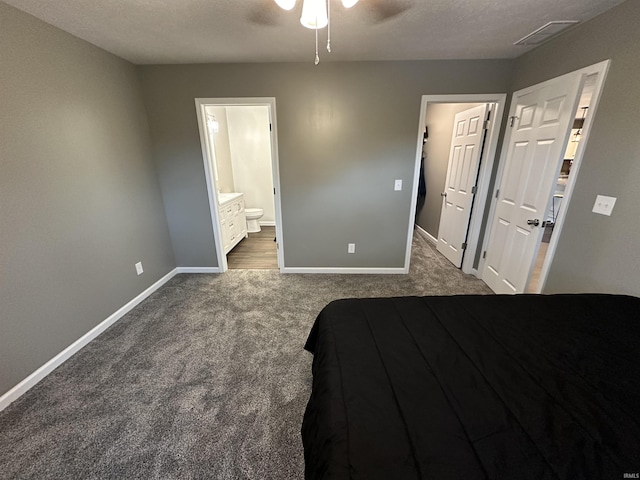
[475, 387]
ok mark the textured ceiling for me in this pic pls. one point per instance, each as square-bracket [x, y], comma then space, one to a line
[199, 31]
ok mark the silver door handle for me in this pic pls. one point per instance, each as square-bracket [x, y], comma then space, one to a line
[535, 222]
[443, 194]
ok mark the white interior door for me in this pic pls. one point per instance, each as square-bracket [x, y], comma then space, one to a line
[462, 172]
[540, 123]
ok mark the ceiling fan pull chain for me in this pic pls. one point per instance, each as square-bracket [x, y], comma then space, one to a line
[329, 26]
[317, 60]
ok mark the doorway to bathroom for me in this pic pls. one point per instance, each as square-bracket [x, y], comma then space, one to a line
[239, 149]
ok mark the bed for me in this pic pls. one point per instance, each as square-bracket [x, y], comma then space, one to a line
[475, 387]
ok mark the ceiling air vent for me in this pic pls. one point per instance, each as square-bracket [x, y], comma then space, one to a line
[545, 32]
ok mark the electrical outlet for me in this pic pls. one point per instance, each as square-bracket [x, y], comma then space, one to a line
[351, 248]
[604, 205]
[139, 268]
[397, 186]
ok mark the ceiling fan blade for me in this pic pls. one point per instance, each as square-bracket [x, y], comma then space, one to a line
[266, 13]
[383, 10]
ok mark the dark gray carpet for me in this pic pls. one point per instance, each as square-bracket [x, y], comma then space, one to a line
[205, 379]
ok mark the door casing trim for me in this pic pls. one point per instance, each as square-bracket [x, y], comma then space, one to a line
[270, 102]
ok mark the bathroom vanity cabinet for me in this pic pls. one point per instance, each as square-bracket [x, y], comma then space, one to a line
[232, 219]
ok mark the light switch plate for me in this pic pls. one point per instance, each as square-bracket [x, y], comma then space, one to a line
[139, 268]
[351, 248]
[398, 185]
[604, 205]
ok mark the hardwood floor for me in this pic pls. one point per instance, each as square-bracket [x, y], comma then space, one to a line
[534, 282]
[256, 252]
[537, 269]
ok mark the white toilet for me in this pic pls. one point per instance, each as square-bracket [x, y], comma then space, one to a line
[253, 215]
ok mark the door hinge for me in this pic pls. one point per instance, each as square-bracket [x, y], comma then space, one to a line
[484, 254]
[274, 191]
[270, 127]
[487, 124]
[464, 246]
[474, 189]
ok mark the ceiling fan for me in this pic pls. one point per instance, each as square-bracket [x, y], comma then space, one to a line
[316, 14]
[268, 13]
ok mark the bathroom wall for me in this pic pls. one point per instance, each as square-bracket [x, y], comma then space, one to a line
[222, 150]
[439, 120]
[250, 146]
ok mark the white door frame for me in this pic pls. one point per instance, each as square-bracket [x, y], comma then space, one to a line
[601, 69]
[484, 173]
[269, 102]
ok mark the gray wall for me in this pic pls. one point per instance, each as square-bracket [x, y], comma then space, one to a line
[79, 197]
[345, 132]
[439, 120]
[598, 253]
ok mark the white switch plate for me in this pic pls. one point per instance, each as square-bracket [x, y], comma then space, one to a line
[604, 205]
[351, 248]
[397, 185]
[139, 268]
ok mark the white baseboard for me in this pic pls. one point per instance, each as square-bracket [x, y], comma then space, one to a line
[426, 234]
[26, 384]
[346, 270]
[267, 223]
[198, 270]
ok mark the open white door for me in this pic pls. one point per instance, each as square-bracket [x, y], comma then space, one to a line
[540, 123]
[462, 173]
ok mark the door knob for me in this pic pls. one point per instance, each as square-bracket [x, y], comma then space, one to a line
[443, 194]
[535, 222]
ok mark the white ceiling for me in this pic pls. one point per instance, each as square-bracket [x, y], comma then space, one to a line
[203, 31]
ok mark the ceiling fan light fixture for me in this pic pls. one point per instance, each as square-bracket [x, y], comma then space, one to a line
[314, 14]
[286, 4]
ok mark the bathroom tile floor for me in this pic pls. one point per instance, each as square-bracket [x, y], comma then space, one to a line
[258, 251]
